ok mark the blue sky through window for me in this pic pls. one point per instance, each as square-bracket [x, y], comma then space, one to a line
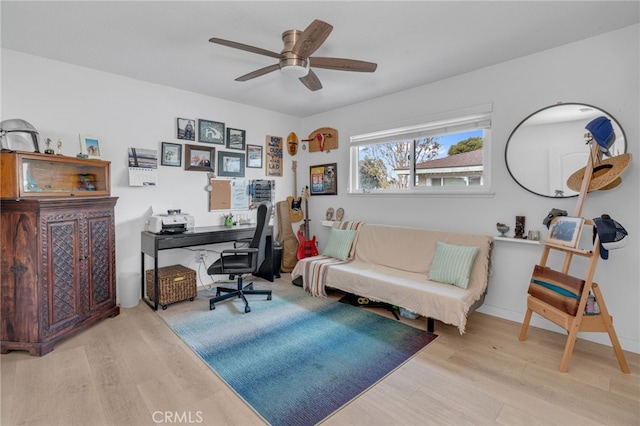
[451, 139]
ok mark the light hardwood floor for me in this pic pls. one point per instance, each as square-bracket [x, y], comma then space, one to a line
[133, 370]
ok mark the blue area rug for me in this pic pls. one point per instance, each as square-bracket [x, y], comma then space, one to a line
[295, 359]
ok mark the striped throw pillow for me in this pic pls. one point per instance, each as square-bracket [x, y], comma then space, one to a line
[452, 264]
[339, 243]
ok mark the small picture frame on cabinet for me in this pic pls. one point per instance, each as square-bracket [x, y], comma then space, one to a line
[90, 146]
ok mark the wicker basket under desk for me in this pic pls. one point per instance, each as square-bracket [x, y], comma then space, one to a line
[175, 284]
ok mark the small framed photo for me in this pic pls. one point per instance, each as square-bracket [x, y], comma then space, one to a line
[254, 156]
[210, 132]
[199, 158]
[324, 179]
[236, 139]
[230, 164]
[187, 129]
[565, 231]
[171, 154]
[90, 146]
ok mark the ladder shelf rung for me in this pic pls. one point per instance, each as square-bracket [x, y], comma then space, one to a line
[578, 251]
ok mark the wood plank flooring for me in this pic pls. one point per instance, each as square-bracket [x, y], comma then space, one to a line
[133, 370]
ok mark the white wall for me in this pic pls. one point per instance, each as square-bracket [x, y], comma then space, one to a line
[602, 71]
[63, 100]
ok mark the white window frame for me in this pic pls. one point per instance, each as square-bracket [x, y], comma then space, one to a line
[449, 122]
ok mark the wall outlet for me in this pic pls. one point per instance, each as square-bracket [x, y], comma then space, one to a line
[202, 257]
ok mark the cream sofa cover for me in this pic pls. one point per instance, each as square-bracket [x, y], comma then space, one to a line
[391, 264]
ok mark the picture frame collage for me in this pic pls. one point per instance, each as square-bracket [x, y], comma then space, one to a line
[230, 161]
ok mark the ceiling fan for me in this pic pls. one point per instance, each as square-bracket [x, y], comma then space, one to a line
[295, 59]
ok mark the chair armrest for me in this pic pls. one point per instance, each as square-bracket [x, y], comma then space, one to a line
[245, 242]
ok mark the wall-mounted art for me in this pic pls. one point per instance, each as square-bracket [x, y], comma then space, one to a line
[186, 129]
[323, 139]
[324, 179]
[274, 156]
[254, 156]
[199, 158]
[230, 164]
[236, 138]
[171, 154]
[210, 132]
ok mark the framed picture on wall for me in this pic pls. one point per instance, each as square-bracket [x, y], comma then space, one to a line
[210, 132]
[199, 158]
[186, 129]
[171, 154]
[236, 138]
[230, 164]
[254, 156]
[324, 179]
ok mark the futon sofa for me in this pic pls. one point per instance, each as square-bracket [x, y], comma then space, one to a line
[440, 275]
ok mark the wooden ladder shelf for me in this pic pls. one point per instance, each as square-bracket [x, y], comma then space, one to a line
[580, 322]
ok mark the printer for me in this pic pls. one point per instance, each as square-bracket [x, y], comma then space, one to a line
[172, 222]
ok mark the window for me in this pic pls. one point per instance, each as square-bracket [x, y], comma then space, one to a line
[448, 153]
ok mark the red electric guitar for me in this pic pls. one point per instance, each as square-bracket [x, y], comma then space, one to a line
[307, 248]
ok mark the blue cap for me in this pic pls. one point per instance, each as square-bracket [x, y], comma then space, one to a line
[612, 235]
[602, 131]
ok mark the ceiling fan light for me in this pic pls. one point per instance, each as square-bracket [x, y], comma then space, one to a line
[296, 71]
[294, 67]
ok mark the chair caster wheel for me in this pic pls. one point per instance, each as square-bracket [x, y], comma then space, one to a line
[164, 307]
[247, 309]
[191, 299]
[269, 297]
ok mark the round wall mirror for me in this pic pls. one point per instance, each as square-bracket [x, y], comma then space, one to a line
[551, 144]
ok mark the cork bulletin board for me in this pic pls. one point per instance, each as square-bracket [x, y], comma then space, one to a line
[229, 194]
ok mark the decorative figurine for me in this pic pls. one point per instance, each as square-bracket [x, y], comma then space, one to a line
[329, 214]
[49, 150]
[59, 147]
[519, 230]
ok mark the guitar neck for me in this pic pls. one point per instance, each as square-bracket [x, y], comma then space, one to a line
[306, 213]
[294, 167]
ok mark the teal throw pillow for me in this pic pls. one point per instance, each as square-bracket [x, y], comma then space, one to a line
[452, 264]
[339, 243]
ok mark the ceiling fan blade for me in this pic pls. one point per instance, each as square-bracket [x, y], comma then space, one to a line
[311, 38]
[343, 64]
[246, 47]
[312, 81]
[258, 73]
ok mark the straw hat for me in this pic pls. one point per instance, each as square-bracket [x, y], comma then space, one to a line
[606, 175]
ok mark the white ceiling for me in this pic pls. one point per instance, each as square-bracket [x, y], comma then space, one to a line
[413, 43]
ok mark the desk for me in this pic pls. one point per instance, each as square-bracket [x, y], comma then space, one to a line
[152, 243]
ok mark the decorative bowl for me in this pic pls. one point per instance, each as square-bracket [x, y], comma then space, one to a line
[503, 229]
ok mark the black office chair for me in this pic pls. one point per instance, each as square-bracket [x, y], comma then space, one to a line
[246, 260]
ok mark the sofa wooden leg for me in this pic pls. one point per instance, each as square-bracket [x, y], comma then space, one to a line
[431, 325]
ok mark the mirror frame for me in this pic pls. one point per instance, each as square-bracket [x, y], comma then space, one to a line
[579, 104]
